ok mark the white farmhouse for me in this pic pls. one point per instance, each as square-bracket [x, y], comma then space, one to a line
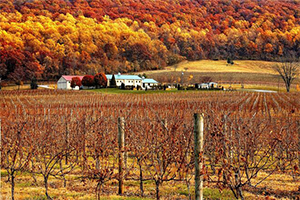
[64, 83]
[128, 80]
[149, 83]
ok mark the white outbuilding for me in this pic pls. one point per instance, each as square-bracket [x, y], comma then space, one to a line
[149, 83]
[64, 83]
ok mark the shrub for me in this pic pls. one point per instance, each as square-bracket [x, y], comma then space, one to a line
[75, 82]
[100, 80]
[122, 86]
[88, 80]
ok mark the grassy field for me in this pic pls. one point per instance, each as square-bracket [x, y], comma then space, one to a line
[279, 186]
[239, 66]
[250, 73]
[27, 189]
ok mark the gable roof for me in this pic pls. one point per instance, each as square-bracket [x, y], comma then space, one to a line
[149, 80]
[69, 78]
[127, 77]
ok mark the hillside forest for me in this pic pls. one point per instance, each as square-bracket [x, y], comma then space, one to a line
[47, 38]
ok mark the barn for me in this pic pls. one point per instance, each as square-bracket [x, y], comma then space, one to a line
[64, 83]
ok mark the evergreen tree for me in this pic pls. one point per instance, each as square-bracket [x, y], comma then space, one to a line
[33, 84]
[228, 61]
[113, 83]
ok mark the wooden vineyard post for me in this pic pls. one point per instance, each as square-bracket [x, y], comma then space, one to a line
[121, 141]
[198, 140]
[0, 159]
[298, 126]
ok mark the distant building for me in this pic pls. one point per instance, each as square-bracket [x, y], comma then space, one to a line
[132, 80]
[128, 80]
[203, 86]
[149, 83]
[64, 83]
[212, 85]
[209, 85]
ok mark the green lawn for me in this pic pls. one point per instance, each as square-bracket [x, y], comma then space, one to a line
[119, 91]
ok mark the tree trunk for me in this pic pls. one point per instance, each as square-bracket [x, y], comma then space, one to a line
[238, 187]
[33, 174]
[64, 176]
[157, 183]
[240, 192]
[98, 190]
[188, 187]
[287, 85]
[46, 187]
[12, 186]
[141, 180]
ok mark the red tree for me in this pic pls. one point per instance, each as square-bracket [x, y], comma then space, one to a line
[88, 80]
[100, 80]
[75, 82]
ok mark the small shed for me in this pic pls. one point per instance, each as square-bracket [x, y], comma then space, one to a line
[64, 83]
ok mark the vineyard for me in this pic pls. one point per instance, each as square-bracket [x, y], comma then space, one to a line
[68, 141]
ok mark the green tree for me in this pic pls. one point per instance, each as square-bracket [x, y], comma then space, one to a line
[33, 83]
[113, 81]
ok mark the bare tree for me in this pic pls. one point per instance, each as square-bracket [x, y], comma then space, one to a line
[288, 71]
[16, 150]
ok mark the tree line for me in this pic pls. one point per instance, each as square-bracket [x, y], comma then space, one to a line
[47, 39]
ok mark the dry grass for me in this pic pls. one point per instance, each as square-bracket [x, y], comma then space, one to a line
[279, 181]
[248, 72]
[25, 87]
[25, 189]
[240, 66]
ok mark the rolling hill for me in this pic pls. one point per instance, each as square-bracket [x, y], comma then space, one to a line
[48, 38]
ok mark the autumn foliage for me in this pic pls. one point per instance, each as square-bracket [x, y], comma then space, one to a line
[55, 37]
[75, 82]
[88, 80]
[100, 80]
